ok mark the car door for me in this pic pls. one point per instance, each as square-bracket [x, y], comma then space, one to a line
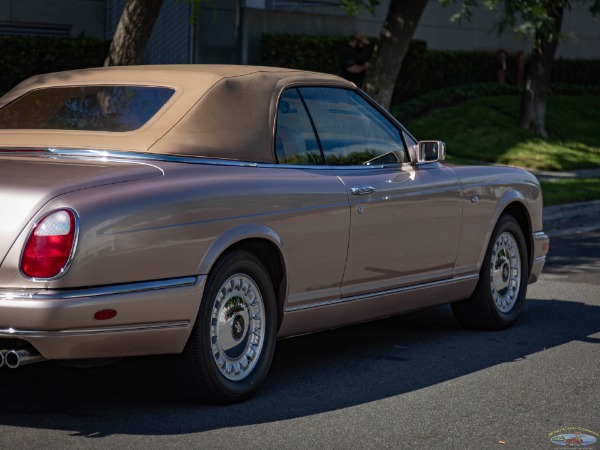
[405, 217]
[315, 236]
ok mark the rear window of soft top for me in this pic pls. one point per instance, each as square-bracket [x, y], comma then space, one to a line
[85, 108]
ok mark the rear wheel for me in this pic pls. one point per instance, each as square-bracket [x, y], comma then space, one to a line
[500, 293]
[231, 346]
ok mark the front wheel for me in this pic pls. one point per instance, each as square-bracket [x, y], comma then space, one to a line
[231, 346]
[500, 293]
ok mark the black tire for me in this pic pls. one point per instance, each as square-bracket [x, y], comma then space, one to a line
[217, 349]
[497, 302]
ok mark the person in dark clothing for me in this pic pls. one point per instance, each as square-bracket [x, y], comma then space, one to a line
[354, 66]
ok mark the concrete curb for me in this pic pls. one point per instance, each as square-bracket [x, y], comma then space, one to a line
[581, 173]
[570, 214]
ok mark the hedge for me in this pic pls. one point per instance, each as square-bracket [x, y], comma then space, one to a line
[24, 56]
[423, 70]
[305, 52]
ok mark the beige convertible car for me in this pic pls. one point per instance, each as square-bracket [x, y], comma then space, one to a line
[208, 211]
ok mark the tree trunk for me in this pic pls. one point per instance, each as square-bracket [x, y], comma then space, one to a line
[395, 36]
[133, 32]
[537, 83]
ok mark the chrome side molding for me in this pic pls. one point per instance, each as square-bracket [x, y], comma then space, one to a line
[37, 294]
[383, 293]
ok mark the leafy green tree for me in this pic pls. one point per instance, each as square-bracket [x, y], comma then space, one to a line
[400, 24]
[542, 21]
[353, 7]
[396, 33]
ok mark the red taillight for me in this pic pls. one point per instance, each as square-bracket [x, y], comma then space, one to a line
[50, 244]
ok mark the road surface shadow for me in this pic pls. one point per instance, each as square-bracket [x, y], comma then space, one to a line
[570, 254]
[310, 375]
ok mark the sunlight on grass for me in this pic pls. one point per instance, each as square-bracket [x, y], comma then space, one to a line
[551, 155]
[486, 129]
[561, 191]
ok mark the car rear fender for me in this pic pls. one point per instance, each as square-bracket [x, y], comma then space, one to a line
[265, 243]
[234, 236]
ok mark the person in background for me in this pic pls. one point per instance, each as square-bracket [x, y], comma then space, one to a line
[354, 66]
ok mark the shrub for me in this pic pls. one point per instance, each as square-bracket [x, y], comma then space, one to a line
[423, 70]
[25, 56]
[315, 53]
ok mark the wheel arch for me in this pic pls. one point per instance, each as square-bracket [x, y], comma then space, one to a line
[512, 203]
[264, 243]
[520, 213]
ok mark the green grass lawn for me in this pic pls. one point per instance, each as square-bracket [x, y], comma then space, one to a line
[486, 129]
[561, 191]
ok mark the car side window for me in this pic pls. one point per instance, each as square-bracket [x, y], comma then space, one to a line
[295, 140]
[351, 131]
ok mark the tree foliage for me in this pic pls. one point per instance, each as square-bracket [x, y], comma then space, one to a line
[353, 7]
[526, 17]
[541, 20]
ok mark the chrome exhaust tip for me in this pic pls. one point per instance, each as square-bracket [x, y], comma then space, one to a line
[2, 357]
[18, 358]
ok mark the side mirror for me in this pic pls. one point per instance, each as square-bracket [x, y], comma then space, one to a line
[431, 151]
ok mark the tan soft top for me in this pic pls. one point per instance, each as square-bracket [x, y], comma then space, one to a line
[217, 111]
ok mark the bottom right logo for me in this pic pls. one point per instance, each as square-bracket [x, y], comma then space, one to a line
[574, 437]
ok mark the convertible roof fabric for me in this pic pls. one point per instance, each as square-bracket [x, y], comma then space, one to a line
[217, 111]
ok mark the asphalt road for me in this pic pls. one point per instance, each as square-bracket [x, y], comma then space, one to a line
[417, 381]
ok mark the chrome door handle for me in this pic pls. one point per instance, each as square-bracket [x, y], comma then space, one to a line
[362, 190]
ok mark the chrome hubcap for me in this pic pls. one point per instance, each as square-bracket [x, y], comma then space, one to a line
[236, 327]
[505, 272]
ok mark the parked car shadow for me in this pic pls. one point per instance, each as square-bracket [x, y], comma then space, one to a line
[310, 375]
